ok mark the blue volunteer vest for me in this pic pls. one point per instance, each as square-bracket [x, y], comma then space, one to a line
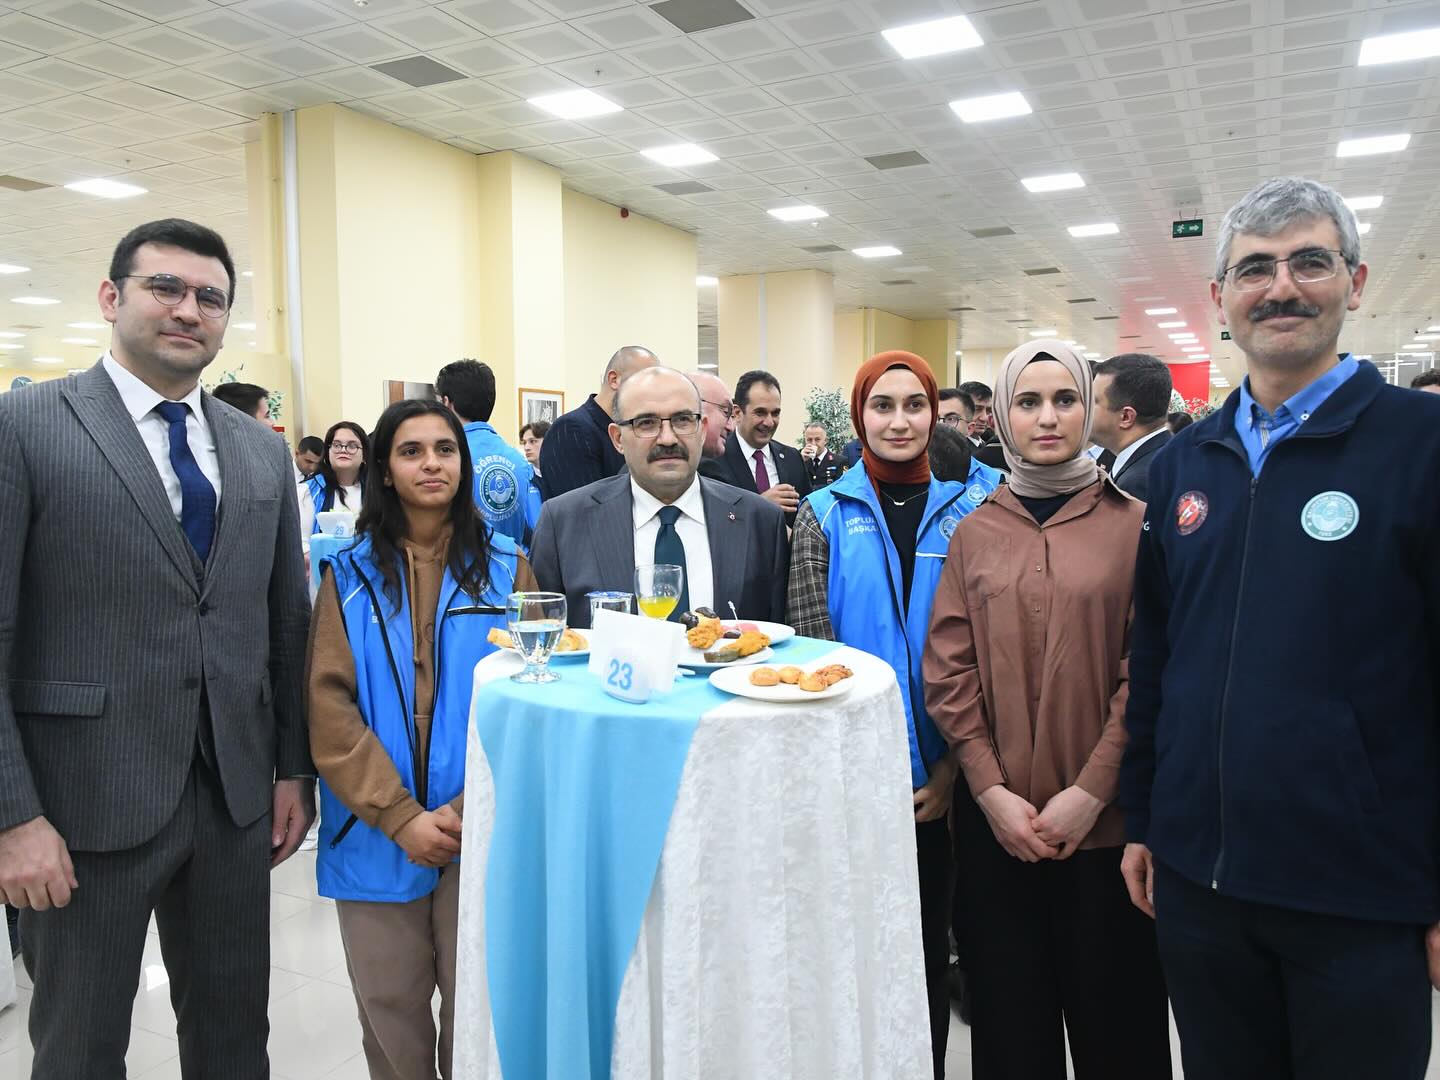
[322, 497]
[504, 493]
[356, 861]
[866, 608]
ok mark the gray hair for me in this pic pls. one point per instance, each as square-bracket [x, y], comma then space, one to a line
[1276, 205]
[645, 374]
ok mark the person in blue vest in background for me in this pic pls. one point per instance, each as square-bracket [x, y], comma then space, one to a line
[401, 619]
[504, 493]
[866, 557]
[339, 481]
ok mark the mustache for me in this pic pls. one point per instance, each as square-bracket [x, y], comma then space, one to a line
[1272, 308]
[659, 452]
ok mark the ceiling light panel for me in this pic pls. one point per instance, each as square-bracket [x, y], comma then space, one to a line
[105, 189]
[1108, 228]
[1053, 182]
[933, 38]
[1373, 144]
[575, 104]
[797, 213]
[978, 110]
[679, 155]
[1397, 48]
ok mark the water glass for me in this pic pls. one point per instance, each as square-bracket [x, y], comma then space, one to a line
[608, 601]
[537, 619]
[657, 589]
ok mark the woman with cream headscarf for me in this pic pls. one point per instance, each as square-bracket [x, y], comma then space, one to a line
[865, 556]
[1026, 675]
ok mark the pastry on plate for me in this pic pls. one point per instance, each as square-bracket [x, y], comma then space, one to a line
[570, 641]
[813, 683]
[764, 676]
[747, 644]
[790, 675]
[706, 631]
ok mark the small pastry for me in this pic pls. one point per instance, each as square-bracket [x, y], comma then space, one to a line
[499, 638]
[764, 676]
[831, 677]
[570, 641]
[705, 633]
[812, 683]
[790, 675]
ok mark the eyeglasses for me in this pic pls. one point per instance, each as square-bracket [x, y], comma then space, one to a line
[953, 420]
[648, 427]
[346, 447]
[1306, 268]
[170, 291]
[724, 406]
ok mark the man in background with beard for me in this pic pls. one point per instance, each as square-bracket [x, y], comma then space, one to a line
[731, 543]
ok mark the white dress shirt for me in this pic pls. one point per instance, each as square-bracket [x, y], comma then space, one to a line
[140, 401]
[699, 573]
[749, 452]
[1123, 458]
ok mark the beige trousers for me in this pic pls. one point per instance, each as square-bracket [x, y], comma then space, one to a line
[398, 954]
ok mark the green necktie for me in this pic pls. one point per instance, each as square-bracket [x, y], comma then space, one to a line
[669, 550]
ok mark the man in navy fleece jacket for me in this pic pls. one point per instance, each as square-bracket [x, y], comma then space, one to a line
[1282, 781]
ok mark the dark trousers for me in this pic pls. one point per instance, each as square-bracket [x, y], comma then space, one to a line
[207, 883]
[937, 877]
[1056, 949]
[1267, 993]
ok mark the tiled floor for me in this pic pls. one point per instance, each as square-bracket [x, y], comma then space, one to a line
[313, 1031]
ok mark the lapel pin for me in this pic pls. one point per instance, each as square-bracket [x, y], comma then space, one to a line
[732, 517]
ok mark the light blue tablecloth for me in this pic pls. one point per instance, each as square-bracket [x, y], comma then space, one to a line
[584, 788]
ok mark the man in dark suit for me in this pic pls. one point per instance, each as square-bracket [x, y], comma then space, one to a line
[730, 542]
[153, 749]
[753, 460]
[822, 466]
[1132, 402]
[577, 450]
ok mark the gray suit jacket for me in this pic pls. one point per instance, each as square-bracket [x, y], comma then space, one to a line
[585, 541]
[110, 627]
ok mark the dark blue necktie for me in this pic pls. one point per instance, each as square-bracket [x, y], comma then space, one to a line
[197, 494]
[669, 550]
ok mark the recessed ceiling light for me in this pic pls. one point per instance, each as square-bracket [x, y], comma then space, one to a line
[679, 155]
[1427, 337]
[87, 325]
[247, 273]
[1428, 330]
[1183, 337]
[240, 325]
[105, 189]
[11, 334]
[1393, 48]
[1171, 325]
[1362, 227]
[1073, 344]
[9, 346]
[575, 104]
[1374, 144]
[1161, 310]
[1050, 333]
[48, 359]
[1193, 349]
[11, 268]
[977, 110]
[879, 251]
[797, 213]
[1202, 356]
[1414, 346]
[1054, 182]
[705, 281]
[1365, 202]
[933, 38]
[1109, 228]
[36, 300]
[77, 341]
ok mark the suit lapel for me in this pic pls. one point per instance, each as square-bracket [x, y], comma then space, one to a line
[614, 535]
[99, 408]
[235, 479]
[725, 527]
[744, 470]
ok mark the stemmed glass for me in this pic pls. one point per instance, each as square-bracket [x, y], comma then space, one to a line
[657, 589]
[537, 619]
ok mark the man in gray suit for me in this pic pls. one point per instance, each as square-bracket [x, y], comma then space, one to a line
[153, 750]
[659, 510]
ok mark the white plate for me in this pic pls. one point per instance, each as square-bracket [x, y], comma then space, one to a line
[578, 654]
[776, 632]
[738, 682]
[695, 659]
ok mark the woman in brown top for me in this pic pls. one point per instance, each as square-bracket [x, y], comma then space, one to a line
[400, 621]
[1025, 674]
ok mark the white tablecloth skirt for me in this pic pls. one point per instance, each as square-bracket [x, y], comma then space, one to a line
[782, 936]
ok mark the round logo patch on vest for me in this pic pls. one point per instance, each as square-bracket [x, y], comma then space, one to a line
[1331, 515]
[947, 526]
[1191, 512]
[498, 491]
[976, 493]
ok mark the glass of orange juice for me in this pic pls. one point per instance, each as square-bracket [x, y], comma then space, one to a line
[657, 589]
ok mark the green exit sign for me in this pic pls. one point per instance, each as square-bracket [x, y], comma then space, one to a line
[1193, 227]
[1224, 335]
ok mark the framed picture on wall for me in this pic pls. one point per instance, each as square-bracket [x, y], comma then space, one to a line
[537, 405]
[399, 390]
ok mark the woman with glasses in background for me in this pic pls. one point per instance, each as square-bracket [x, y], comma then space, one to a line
[339, 483]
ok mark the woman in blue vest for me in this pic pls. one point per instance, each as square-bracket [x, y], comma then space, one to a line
[400, 621]
[339, 482]
[866, 554]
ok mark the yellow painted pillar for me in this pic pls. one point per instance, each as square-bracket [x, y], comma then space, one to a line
[934, 339]
[781, 323]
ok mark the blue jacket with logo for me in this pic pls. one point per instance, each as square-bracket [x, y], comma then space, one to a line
[866, 608]
[504, 493]
[356, 861]
[1284, 711]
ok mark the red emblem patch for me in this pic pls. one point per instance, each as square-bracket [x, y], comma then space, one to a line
[1191, 512]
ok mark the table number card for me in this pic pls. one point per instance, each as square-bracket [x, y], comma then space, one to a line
[634, 657]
